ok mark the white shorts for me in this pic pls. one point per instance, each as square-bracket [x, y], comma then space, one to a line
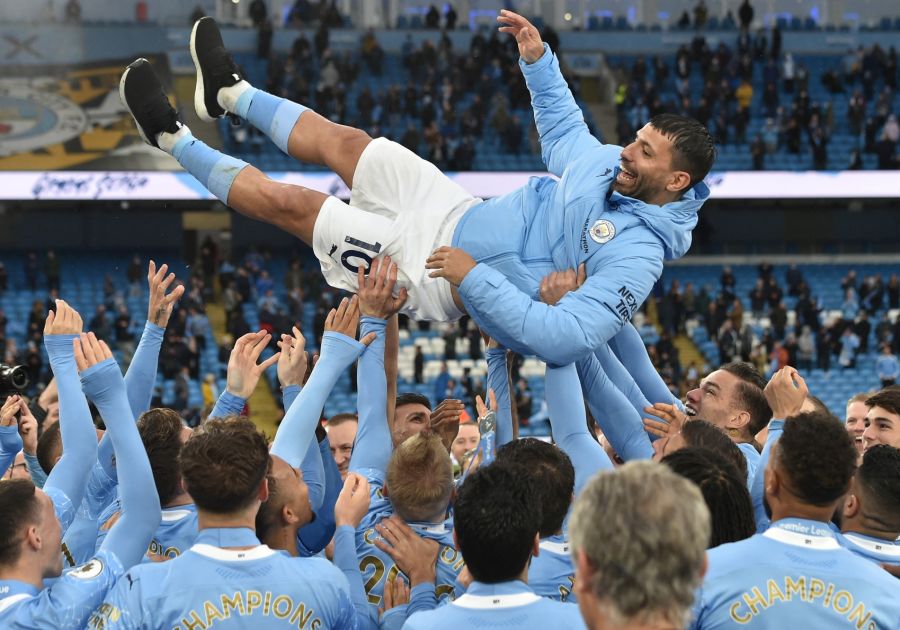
[402, 206]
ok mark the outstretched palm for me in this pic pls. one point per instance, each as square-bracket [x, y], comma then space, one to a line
[530, 45]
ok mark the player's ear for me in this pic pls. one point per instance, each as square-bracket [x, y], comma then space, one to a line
[263, 492]
[536, 545]
[584, 574]
[33, 538]
[384, 491]
[679, 181]
[851, 505]
[287, 515]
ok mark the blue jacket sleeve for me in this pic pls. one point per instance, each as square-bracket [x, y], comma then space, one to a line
[314, 537]
[621, 378]
[228, 405]
[618, 420]
[757, 488]
[10, 445]
[140, 380]
[141, 375]
[373, 444]
[631, 351]
[346, 560]
[569, 425]
[311, 464]
[129, 537]
[560, 122]
[583, 319]
[298, 428]
[498, 380]
[79, 437]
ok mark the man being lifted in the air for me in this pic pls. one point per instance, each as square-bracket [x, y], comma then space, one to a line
[619, 212]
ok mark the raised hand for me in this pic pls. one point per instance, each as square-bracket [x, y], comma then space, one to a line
[376, 291]
[451, 263]
[671, 419]
[444, 420]
[8, 411]
[89, 351]
[785, 392]
[345, 320]
[353, 501]
[293, 362]
[481, 408]
[28, 428]
[527, 37]
[555, 285]
[64, 321]
[160, 307]
[414, 555]
[243, 372]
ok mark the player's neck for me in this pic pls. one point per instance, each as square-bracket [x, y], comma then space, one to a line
[796, 509]
[283, 539]
[245, 519]
[182, 499]
[26, 570]
[859, 526]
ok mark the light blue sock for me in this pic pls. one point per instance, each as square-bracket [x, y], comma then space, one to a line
[213, 169]
[272, 115]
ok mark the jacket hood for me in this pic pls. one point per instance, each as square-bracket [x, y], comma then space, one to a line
[672, 222]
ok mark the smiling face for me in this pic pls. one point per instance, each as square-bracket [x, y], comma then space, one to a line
[713, 400]
[647, 171]
[883, 428]
[857, 423]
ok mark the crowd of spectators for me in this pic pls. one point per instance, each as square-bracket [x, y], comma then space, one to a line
[452, 100]
[755, 79]
[760, 332]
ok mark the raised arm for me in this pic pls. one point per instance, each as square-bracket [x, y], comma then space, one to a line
[785, 393]
[376, 304]
[66, 482]
[314, 537]
[560, 122]
[339, 350]
[580, 322]
[292, 366]
[141, 375]
[103, 384]
[569, 425]
[618, 419]
[10, 440]
[349, 510]
[498, 382]
[243, 373]
[631, 351]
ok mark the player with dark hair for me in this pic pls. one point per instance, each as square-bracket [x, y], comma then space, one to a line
[796, 572]
[724, 490]
[870, 516]
[883, 418]
[620, 211]
[551, 573]
[497, 519]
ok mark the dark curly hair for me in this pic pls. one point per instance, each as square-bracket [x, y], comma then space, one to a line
[724, 490]
[819, 457]
[878, 479]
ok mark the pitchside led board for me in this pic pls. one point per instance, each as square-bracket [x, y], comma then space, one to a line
[64, 135]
